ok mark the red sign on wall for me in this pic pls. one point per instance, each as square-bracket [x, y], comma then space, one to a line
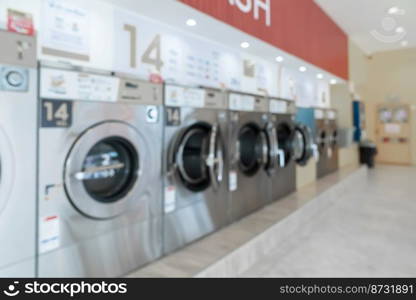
[299, 27]
[20, 22]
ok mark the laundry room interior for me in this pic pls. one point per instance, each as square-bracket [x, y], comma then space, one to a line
[207, 139]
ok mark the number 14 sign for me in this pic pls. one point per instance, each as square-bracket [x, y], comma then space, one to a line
[140, 48]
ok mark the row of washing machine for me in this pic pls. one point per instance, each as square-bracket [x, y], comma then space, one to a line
[101, 173]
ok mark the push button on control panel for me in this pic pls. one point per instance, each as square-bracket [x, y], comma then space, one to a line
[14, 78]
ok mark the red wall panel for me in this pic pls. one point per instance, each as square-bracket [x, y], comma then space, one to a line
[299, 27]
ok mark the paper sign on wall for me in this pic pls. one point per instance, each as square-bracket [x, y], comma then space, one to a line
[65, 30]
[392, 128]
[20, 22]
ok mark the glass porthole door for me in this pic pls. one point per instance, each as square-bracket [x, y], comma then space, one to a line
[102, 170]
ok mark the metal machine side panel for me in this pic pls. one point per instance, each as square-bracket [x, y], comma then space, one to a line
[111, 254]
[17, 49]
[283, 182]
[18, 121]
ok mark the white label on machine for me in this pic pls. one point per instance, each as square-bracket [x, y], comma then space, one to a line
[49, 233]
[278, 107]
[152, 114]
[241, 102]
[330, 152]
[319, 114]
[60, 84]
[332, 115]
[233, 181]
[194, 97]
[170, 199]
[174, 95]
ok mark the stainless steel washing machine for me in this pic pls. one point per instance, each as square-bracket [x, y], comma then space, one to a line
[100, 151]
[196, 196]
[333, 143]
[253, 153]
[18, 98]
[283, 181]
[327, 141]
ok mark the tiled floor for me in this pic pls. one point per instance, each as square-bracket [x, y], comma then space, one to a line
[369, 231]
[197, 257]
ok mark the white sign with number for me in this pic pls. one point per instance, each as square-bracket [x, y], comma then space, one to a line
[157, 52]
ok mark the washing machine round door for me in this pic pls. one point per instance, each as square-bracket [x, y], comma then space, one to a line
[302, 144]
[285, 137]
[7, 171]
[198, 157]
[102, 170]
[253, 152]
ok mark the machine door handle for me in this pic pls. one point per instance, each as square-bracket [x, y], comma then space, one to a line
[315, 152]
[87, 174]
[265, 149]
[215, 160]
[282, 158]
[275, 146]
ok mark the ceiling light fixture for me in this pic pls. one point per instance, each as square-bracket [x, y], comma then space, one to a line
[279, 59]
[399, 30]
[396, 11]
[319, 76]
[191, 22]
[302, 69]
[404, 43]
[333, 81]
[245, 45]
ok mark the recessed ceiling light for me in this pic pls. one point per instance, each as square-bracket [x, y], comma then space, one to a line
[191, 22]
[399, 29]
[320, 76]
[279, 59]
[396, 11]
[245, 45]
[333, 81]
[404, 43]
[302, 69]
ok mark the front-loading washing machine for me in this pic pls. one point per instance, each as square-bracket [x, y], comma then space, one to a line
[253, 153]
[18, 98]
[306, 132]
[333, 137]
[282, 117]
[100, 151]
[323, 141]
[195, 185]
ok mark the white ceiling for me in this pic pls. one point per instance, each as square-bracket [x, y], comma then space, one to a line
[363, 21]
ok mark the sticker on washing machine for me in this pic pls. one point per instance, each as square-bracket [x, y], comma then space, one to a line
[278, 107]
[49, 233]
[233, 181]
[56, 114]
[319, 114]
[170, 199]
[173, 116]
[330, 152]
[152, 114]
